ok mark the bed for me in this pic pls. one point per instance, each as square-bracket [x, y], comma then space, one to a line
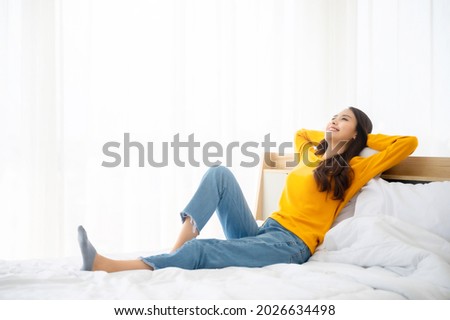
[392, 241]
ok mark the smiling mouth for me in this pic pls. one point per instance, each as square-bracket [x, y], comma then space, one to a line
[332, 129]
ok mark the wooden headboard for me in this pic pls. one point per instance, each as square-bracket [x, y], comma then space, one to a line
[275, 167]
[420, 169]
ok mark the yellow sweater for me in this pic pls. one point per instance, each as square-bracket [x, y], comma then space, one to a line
[308, 213]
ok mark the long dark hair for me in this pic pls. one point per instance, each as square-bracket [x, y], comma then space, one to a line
[335, 174]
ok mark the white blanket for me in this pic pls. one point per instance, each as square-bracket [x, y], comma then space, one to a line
[361, 258]
[392, 255]
[386, 251]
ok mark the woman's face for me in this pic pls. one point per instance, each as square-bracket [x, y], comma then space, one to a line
[342, 127]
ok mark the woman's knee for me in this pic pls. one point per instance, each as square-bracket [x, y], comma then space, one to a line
[219, 171]
[219, 168]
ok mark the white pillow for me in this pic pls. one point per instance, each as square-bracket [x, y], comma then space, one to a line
[367, 152]
[349, 210]
[424, 205]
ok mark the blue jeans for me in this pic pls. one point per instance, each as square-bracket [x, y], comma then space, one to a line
[247, 245]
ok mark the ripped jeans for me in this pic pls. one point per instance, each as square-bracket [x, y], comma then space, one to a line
[247, 245]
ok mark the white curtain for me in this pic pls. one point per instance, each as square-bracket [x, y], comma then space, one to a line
[75, 75]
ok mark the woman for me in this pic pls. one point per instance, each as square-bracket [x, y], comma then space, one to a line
[325, 179]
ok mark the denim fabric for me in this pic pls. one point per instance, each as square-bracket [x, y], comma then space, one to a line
[246, 244]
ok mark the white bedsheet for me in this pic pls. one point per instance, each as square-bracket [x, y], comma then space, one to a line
[362, 258]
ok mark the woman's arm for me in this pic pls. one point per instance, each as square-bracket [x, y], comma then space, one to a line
[392, 150]
[306, 138]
